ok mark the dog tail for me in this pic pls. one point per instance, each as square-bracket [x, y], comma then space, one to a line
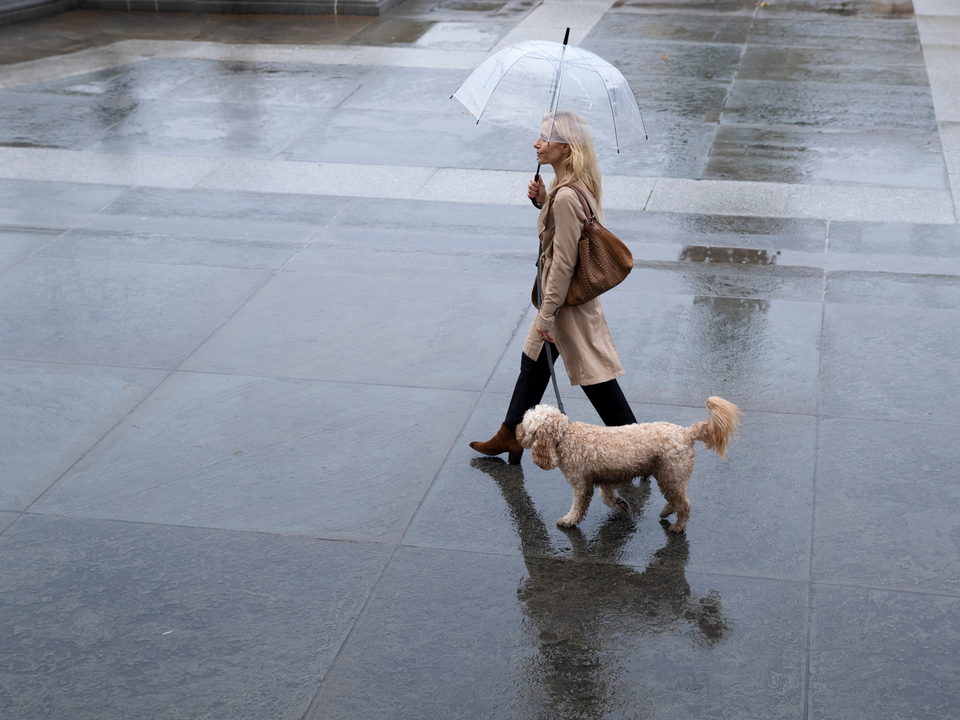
[723, 419]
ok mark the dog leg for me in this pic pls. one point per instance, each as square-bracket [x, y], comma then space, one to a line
[681, 506]
[667, 510]
[610, 498]
[582, 495]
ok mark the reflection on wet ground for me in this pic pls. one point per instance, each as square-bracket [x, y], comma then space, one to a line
[730, 256]
[576, 608]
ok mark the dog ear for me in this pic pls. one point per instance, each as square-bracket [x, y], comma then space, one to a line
[544, 448]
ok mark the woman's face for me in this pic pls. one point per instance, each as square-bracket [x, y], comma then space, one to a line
[549, 153]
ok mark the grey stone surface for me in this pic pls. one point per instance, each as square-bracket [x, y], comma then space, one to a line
[674, 27]
[204, 129]
[950, 137]
[411, 138]
[638, 60]
[116, 313]
[289, 330]
[890, 363]
[887, 492]
[473, 34]
[29, 206]
[109, 620]
[462, 220]
[20, 242]
[775, 235]
[254, 311]
[507, 636]
[763, 354]
[839, 9]
[934, 242]
[289, 84]
[834, 65]
[861, 636]
[892, 288]
[145, 80]
[828, 156]
[823, 104]
[146, 245]
[421, 89]
[418, 256]
[73, 404]
[61, 121]
[244, 208]
[848, 32]
[6, 519]
[275, 456]
[8, 261]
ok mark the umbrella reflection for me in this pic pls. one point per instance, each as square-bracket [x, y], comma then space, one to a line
[577, 611]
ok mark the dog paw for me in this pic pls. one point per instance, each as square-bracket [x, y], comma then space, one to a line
[624, 505]
[566, 522]
[677, 528]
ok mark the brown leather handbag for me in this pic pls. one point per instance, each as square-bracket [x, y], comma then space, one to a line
[603, 260]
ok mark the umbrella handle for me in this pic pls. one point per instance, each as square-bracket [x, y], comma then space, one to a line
[536, 179]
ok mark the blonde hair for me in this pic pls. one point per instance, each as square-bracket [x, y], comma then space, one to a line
[580, 164]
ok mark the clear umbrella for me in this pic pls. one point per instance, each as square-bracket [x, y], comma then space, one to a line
[517, 86]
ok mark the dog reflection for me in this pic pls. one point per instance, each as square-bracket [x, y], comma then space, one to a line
[577, 610]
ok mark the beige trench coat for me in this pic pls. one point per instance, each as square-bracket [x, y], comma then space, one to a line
[580, 331]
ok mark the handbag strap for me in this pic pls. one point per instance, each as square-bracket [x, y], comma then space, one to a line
[591, 216]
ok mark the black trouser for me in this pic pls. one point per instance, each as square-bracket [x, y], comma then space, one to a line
[606, 397]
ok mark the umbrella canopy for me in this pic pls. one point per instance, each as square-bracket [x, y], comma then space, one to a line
[517, 86]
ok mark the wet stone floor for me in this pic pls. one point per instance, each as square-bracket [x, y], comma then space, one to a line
[262, 282]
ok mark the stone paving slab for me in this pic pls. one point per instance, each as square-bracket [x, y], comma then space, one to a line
[918, 377]
[142, 245]
[802, 201]
[879, 531]
[20, 242]
[903, 158]
[78, 166]
[6, 519]
[290, 329]
[861, 635]
[119, 618]
[114, 313]
[75, 405]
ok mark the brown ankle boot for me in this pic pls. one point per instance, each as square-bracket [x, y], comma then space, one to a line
[505, 441]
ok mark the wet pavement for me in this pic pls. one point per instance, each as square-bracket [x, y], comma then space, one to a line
[262, 281]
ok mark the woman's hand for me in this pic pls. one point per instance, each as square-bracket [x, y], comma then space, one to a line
[545, 335]
[536, 190]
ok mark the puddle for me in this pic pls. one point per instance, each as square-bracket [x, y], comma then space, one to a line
[727, 255]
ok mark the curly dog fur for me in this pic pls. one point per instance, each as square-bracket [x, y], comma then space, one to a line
[610, 457]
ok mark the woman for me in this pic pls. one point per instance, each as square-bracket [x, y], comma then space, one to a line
[578, 333]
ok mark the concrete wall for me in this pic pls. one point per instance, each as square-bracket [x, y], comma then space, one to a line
[14, 11]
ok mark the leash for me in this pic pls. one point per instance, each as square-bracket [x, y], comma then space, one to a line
[546, 345]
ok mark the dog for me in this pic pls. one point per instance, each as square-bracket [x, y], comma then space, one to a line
[610, 457]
